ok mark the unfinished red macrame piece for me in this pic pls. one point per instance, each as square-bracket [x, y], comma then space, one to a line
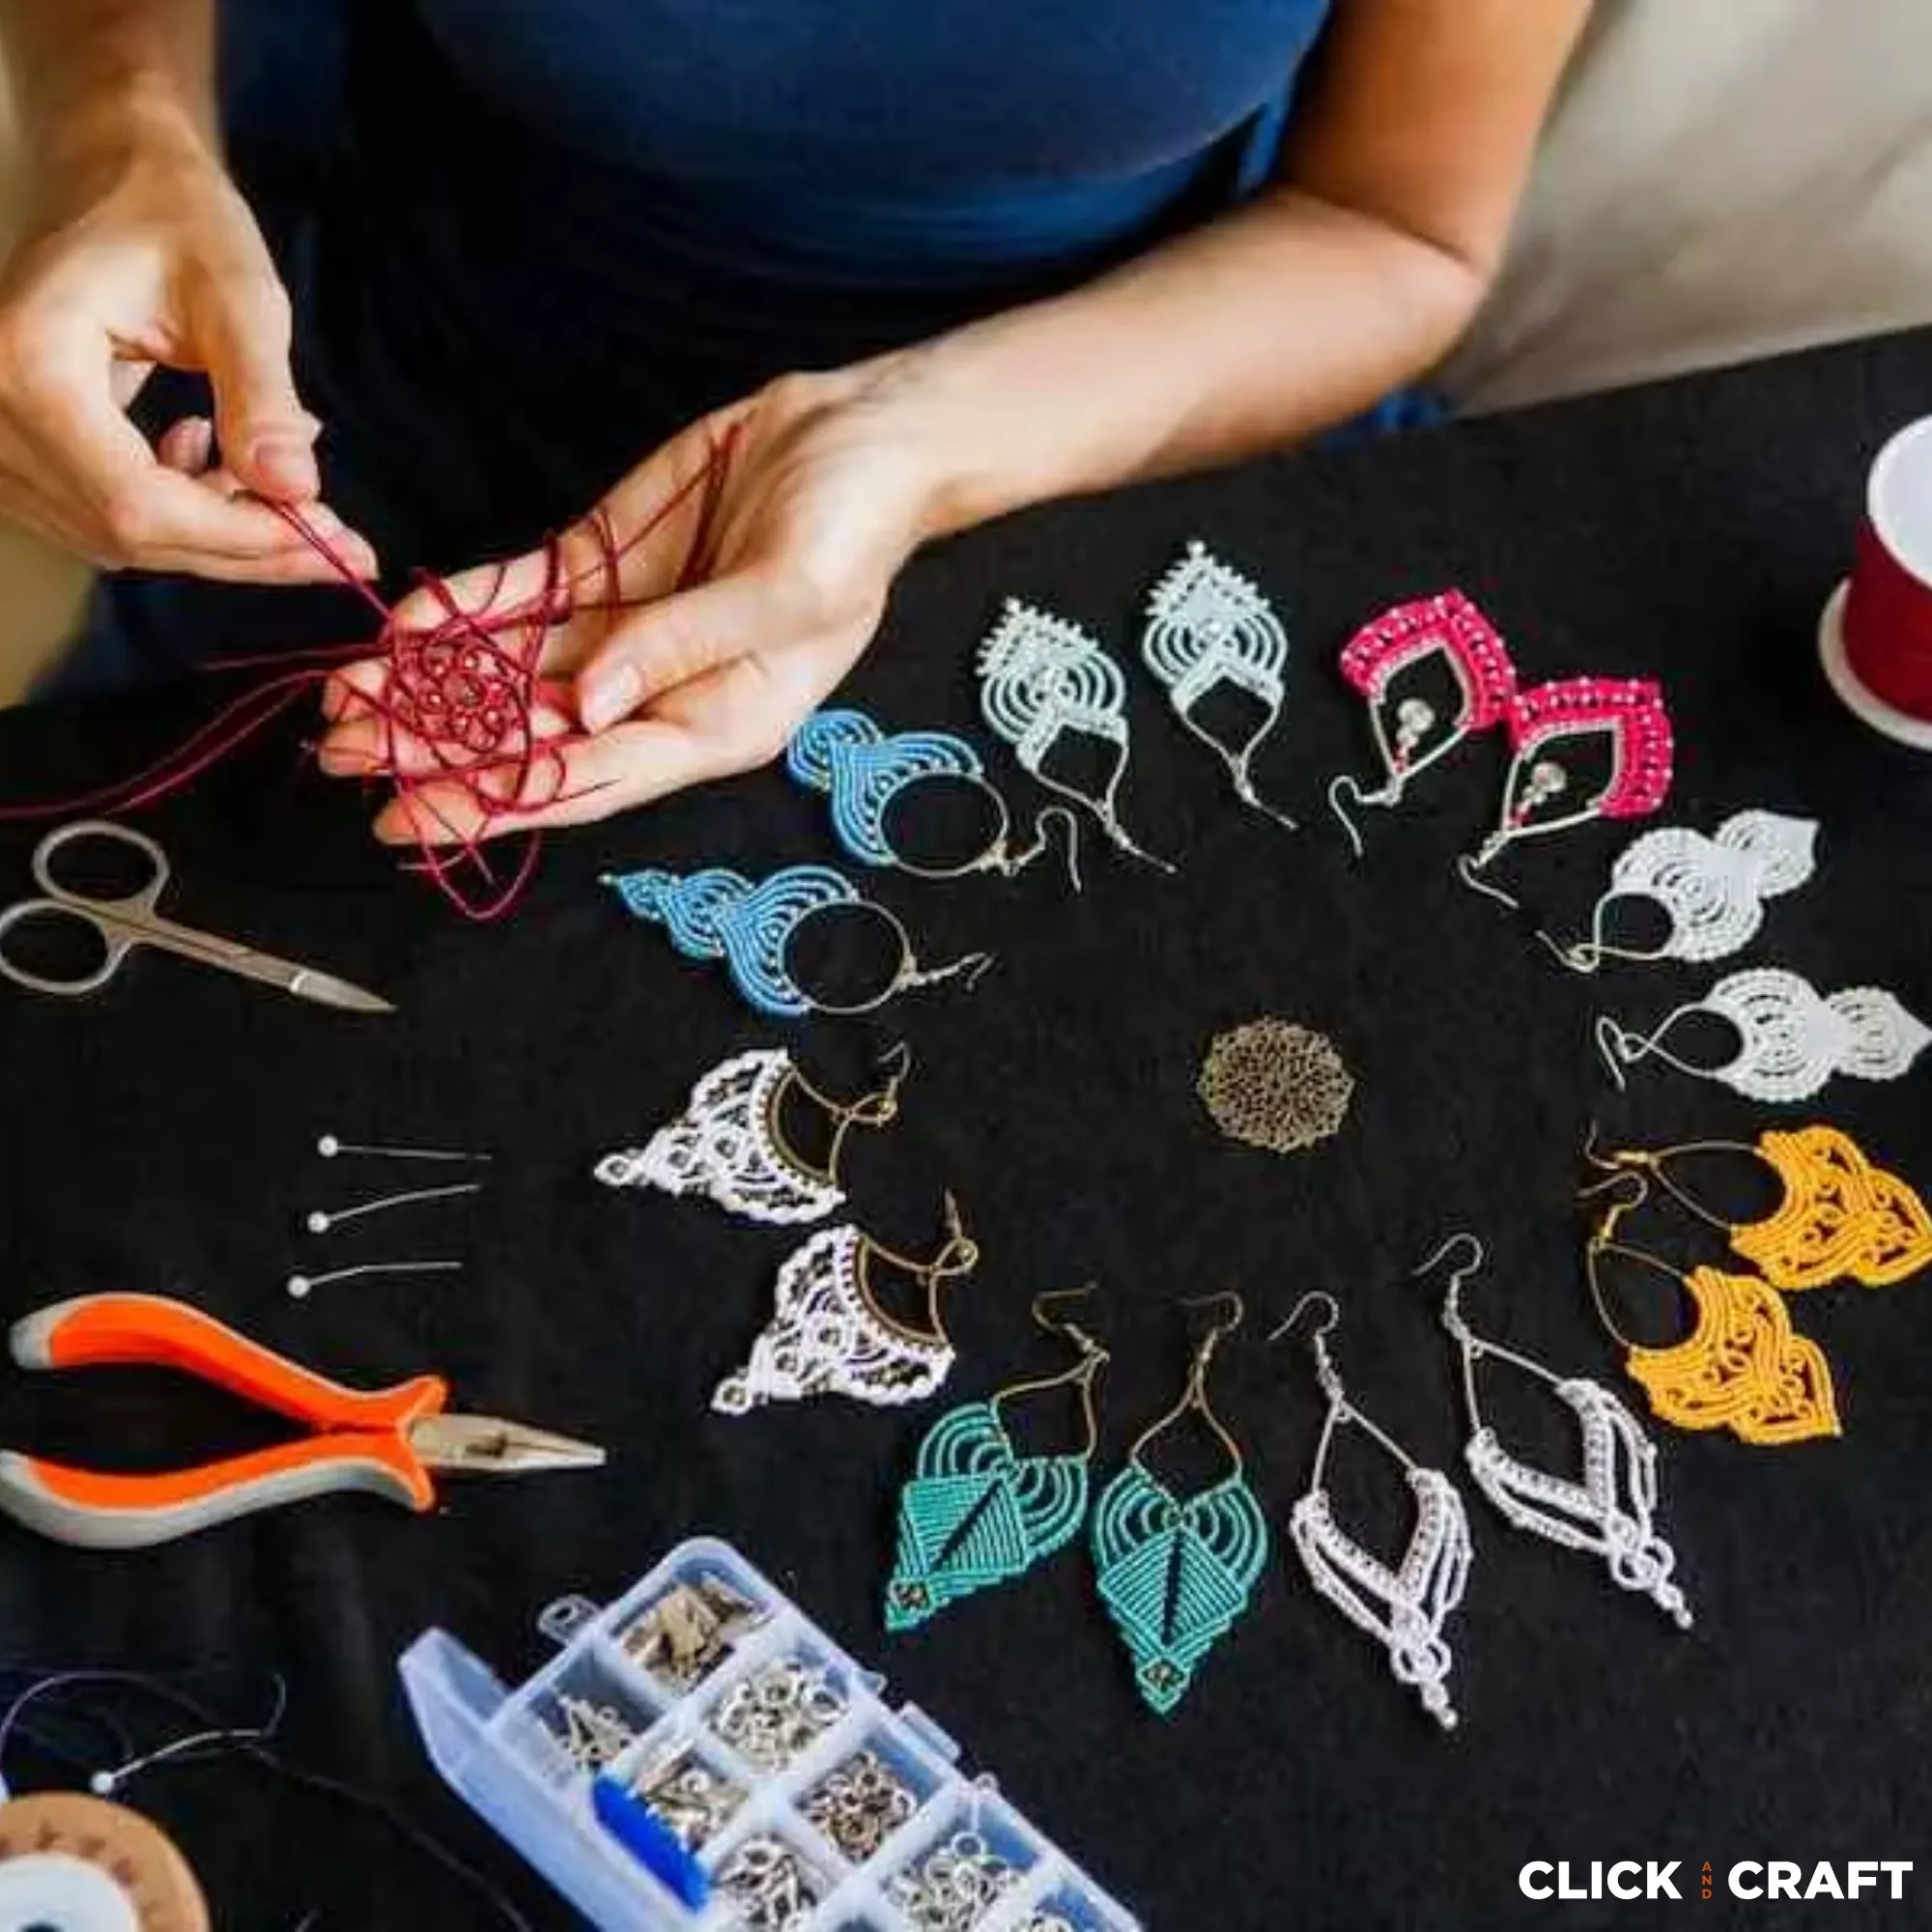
[461, 707]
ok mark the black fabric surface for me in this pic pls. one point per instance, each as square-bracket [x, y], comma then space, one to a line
[160, 1137]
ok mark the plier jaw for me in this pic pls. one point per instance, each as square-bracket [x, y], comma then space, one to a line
[488, 1445]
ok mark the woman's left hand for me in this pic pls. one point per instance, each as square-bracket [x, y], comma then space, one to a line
[826, 485]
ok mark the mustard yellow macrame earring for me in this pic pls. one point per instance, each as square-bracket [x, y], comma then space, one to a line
[1842, 1217]
[1741, 1368]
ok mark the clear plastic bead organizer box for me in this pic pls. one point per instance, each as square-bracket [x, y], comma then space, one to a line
[700, 1757]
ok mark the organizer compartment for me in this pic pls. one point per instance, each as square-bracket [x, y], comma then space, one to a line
[771, 1715]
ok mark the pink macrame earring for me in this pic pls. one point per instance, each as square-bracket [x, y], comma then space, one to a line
[1444, 633]
[1547, 726]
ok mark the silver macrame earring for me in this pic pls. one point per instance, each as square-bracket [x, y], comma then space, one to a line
[1404, 1609]
[1043, 680]
[732, 1144]
[1209, 626]
[1791, 1038]
[1609, 1510]
[829, 1335]
[1711, 890]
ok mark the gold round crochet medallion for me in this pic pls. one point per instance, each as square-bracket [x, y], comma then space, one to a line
[1276, 1085]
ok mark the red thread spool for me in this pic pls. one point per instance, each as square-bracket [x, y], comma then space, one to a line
[1876, 634]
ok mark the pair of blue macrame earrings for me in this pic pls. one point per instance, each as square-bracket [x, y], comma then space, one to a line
[867, 773]
[1173, 1574]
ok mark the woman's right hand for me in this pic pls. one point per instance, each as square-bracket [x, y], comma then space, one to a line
[139, 250]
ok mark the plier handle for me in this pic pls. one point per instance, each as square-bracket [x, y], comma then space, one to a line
[383, 1443]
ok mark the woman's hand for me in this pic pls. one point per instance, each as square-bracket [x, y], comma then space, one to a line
[140, 251]
[737, 612]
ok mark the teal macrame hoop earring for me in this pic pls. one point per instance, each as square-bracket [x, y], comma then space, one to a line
[977, 1513]
[1175, 1575]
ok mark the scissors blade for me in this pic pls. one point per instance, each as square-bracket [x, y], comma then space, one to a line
[305, 982]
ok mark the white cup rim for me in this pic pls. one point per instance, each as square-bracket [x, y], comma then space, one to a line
[1901, 483]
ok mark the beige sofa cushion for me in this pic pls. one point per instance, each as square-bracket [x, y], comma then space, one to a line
[1724, 178]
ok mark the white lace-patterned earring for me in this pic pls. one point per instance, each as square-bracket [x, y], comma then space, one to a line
[1791, 1038]
[1609, 1510]
[1403, 1608]
[1709, 890]
[731, 1143]
[829, 1335]
[1042, 679]
[1207, 626]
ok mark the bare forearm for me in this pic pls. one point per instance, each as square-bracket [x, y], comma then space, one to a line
[1273, 322]
[88, 72]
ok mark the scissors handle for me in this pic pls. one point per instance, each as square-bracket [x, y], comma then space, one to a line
[136, 905]
[117, 937]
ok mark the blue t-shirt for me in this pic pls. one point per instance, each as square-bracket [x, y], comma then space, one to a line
[896, 139]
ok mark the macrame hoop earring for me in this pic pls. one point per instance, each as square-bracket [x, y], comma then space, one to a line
[1710, 891]
[1839, 1215]
[1403, 1608]
[1791, 1039]
[977, 1513]
[721, 914]
[1041, 678]
[1175, 1573]
[829, 1335]
[866, 772]
[1609, 1510]
[1627, 713]
[731, 1143]
[1209, 626]
[1741, 1368]
[1447, 627]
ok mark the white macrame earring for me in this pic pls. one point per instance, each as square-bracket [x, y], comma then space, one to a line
[1209, 626]
[1041, 680]
[731, 1143]
[1403, 1608]
[1791, 1038]
[829, 1335]
[1609, 1510]
[1711, 890]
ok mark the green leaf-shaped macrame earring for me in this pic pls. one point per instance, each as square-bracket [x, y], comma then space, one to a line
[976, 1511]
[1175, 1573]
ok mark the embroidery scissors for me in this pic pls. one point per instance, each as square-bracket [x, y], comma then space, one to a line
[383, 1442]
[124, 921]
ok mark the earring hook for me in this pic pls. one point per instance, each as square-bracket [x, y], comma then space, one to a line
[1479, 1259]
[1344, 783]
[1469, 870]
[1327, 1325]
[1059, 1326]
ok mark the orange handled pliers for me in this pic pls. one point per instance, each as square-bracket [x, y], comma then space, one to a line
[383, 1441]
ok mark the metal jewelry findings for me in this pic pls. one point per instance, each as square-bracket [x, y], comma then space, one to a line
[828, 1334]
[1624, 717]
[1174, 1573]
[1741, 1368]
[976, 1511]
[1791, 1038]
[1609, 1510]
[1710, 891]
[717, 914]
[1274, 1084]
[1446, 631]
[1042, 681]
[731, 1143]
[1209, 626]
[1842, 1218]
[867, 773]
[1404, 1609]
